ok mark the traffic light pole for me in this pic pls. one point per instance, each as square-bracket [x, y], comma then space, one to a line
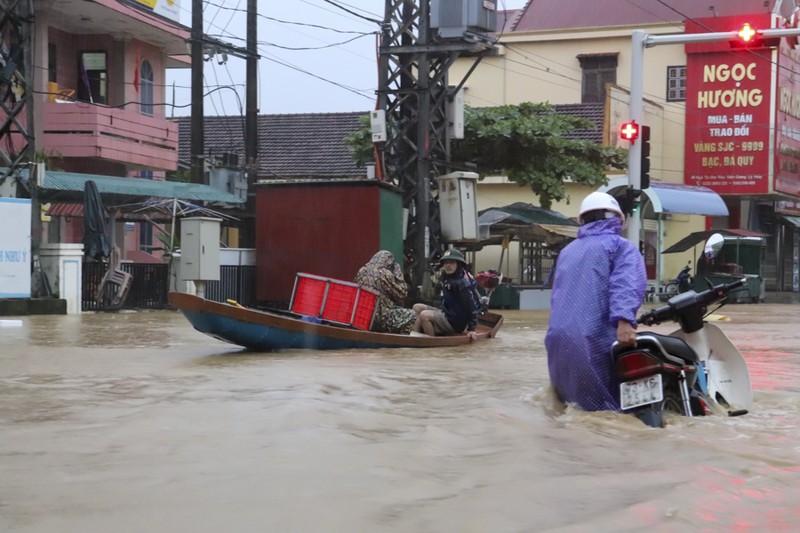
[641, 40]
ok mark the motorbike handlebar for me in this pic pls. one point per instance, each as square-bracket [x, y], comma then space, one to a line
[687, 299]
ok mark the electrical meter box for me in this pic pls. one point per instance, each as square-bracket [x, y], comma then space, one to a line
[200, 249]
[452, 19]
[458, 206]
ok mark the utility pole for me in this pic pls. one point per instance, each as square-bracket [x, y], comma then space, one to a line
[201, 45]
[251, 121]
[198, 113]
[251, 114]
[17, 140]
[16, 82]
[413, 90]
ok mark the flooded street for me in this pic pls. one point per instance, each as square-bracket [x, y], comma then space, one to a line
[134, 422]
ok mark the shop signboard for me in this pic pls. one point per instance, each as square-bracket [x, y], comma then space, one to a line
[15, 248]
[729, 114]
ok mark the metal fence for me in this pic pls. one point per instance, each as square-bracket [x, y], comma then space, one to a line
[151, 285]
[235, 283]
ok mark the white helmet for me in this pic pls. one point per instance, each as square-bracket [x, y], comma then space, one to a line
[600, 201]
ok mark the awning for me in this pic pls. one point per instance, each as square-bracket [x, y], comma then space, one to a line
[696, 238]
[526, 222]
[794, 221]
[523, 213]
[676, 198]
[66, 186]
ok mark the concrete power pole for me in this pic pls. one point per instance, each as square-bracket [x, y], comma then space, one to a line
[251, 115]
[198, 113]
[202, 44]
[413, 90]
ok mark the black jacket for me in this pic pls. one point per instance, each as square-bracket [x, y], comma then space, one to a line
[458, 300]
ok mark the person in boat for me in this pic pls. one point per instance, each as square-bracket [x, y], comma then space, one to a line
[459, 309]
[383, 275]
[599, 284]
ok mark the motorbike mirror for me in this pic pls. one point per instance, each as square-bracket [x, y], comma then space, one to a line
[713, 246]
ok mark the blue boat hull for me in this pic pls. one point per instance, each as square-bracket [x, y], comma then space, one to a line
[270, 331]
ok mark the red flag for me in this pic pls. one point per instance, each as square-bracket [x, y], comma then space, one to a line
[136, 69]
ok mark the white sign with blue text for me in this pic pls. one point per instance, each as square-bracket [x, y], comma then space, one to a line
[15, 248]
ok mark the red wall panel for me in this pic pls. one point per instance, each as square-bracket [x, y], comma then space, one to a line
[326, 229]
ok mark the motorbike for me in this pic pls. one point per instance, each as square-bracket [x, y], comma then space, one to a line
[682, 281]
[694, 371]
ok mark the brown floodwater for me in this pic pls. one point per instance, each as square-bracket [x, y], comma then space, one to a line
[134, 422]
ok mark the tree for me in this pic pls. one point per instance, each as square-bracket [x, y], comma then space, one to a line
[529, 143]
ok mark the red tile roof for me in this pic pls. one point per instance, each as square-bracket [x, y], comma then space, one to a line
[566, 14]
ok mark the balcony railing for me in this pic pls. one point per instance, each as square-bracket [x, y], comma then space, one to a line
[76, 129]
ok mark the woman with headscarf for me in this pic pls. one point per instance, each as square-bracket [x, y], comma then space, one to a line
[383, 275]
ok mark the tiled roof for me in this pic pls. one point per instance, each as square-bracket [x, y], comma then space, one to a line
[541, 15]
[594, 112]
[506, 19]
[311, 145]
[303, 145]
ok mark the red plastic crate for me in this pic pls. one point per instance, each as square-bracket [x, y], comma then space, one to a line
[334, 300]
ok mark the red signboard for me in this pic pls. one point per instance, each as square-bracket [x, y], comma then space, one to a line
[787, 124]
[729, 110]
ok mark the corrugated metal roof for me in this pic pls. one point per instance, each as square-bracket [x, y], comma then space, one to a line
[60, 181]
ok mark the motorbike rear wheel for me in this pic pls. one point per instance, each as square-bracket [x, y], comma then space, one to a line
[672, 403]
[671, 288]
[653, 415]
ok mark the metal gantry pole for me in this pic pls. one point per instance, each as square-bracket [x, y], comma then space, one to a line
[639, 41]
[634, 226]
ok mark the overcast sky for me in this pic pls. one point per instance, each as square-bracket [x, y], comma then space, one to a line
[306, 66]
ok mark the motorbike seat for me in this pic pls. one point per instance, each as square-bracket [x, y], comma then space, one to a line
[672, 345]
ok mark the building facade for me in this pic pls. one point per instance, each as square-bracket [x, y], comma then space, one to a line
[98, 83]
[570, 51]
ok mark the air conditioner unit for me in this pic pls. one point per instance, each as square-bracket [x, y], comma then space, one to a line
[454, 18]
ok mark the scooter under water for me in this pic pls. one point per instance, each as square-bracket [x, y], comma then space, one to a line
[694, 371]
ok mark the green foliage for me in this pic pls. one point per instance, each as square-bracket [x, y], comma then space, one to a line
[48, 157]
[165, 239]
[361, 143]
[528, 143]
[525, 142]
[182, 176]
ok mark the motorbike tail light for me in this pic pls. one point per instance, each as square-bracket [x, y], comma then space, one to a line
[637, 364]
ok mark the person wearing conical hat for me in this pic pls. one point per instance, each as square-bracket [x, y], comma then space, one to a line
[459, 309]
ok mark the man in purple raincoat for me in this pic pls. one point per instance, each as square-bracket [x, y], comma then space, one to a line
[600, 283]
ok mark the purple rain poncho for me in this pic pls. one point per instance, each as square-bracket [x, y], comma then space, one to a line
[600, 278]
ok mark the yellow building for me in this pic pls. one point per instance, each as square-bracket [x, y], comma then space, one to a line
[577, 52]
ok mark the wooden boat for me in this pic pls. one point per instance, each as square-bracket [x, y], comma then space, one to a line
[269, 330]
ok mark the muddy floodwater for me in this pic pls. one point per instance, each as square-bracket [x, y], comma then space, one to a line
[134, 422]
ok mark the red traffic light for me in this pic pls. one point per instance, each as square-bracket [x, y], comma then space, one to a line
[750, 38]
[629, 131]
[747, 33]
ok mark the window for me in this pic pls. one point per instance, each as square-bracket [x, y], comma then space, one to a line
[598, 70]
[52, 64]
[93, 77]
[146, 237]
[676, 84]
[146, 88]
